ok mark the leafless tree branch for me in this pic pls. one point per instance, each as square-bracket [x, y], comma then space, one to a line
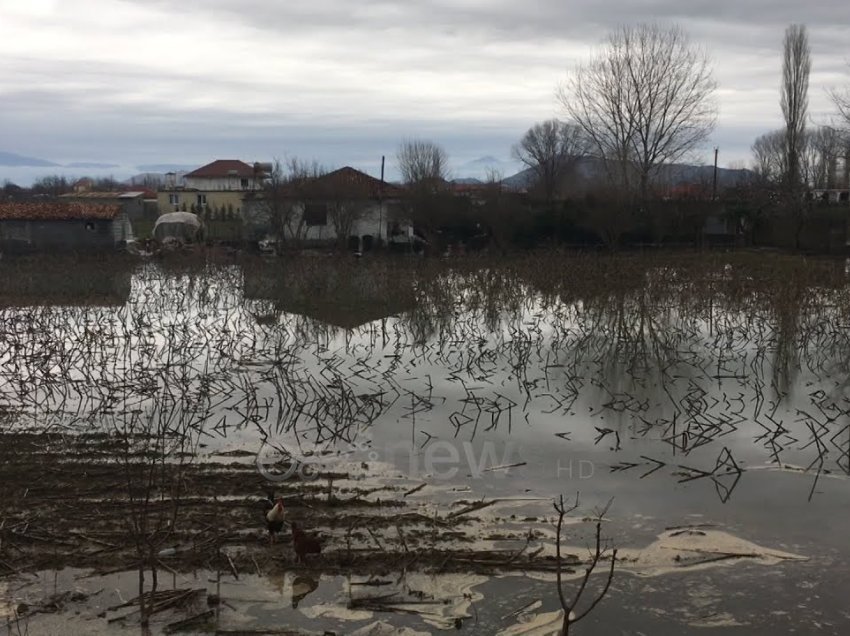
[646, 99]
[551, 148]
[794, 98]
[597, 555]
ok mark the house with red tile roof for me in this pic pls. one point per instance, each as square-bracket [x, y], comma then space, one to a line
[216, 189]
[226, 174]
[60, 225]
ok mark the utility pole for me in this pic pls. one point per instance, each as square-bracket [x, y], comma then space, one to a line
[382, 235]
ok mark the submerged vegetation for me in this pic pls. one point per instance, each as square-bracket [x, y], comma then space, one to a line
[170, 396]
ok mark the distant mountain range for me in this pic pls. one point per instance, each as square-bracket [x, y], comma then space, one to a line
[483, 167]
[470, 173]
[166, 167]
[16, 161]
[91, 165]
[674, 174]
[13, 160]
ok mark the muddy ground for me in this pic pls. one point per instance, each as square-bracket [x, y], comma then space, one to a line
[65, 509]
[65, 504]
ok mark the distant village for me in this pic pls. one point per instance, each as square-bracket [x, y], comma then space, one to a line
[255, 206]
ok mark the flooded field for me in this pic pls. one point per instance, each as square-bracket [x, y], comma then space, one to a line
[420, 418]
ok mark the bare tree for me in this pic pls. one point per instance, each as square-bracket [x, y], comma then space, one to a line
[841, 99]
[287, 190]
[154, 450]
[347, 203]
[825, 148]
[107, 184]
[52, 185]
[598, 553]
[551, 148]
[819, 153]
[422, 163]
[343, 214]
[424, 170]
[646, 99]
[769, 156]
[794, 99]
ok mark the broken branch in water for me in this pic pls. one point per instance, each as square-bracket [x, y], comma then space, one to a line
[478, 505]
[504, 467]
[570, 617]
[192, 621]
[415, 490]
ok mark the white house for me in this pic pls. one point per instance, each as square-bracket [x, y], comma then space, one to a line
[227, 174]
[344, 204]
[219, 186]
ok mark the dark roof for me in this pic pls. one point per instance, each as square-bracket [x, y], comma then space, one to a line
[222, 168]
[344, 182]
[56, 211]
[349, 177]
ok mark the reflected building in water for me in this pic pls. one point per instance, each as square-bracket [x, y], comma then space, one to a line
[65, 281]
[347, 296]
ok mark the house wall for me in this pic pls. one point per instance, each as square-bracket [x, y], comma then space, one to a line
[834, 195]
[222, 183]
[122, 229]
[61, 235]
[134, 208]
[375, 221]
[216, 199]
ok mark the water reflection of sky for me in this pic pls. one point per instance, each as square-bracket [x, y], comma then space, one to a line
[656, 401]
[678, 409]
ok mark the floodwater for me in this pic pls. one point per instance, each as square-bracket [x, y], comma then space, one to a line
[704, 392]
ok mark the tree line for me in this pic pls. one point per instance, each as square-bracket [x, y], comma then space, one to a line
[645, 100]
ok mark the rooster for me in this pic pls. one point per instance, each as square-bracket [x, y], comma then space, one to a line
[304, 544]
[275, 515]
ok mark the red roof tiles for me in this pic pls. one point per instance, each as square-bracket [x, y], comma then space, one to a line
[347, 180]
[222, 168]
[53, 211]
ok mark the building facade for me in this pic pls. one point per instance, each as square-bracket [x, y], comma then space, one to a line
[345, 205]
[218, 188]
[40, 226]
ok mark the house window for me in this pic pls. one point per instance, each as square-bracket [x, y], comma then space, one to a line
[316, 214]
[174, 199]
[202, 200]
[244, 183]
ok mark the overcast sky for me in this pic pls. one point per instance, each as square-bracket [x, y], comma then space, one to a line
[136, 82]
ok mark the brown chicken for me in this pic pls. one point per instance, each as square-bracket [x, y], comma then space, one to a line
[304, 544]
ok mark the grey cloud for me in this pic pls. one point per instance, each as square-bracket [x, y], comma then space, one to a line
[118, 112]
[533, 19]
[133, 136]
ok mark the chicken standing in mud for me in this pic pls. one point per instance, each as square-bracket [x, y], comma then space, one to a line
[304, 544]
[275, 515]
